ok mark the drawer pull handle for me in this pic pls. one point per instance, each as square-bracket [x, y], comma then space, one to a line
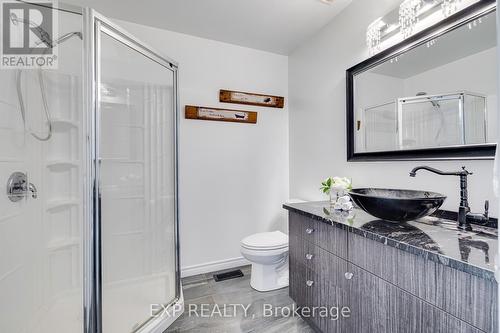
[309, 231]
[348, 275]
[309, 256]
[309, 283]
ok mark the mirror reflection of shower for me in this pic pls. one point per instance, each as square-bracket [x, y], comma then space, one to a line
[437, 107]
[45, 39]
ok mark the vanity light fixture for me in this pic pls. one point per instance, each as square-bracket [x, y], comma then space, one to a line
[395, 59]
[391, 28]
[474, 23]
[449, 7]
[374, 35]
[408, 16]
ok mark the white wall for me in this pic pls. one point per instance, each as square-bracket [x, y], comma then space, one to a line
[317, 119]
[233, 177]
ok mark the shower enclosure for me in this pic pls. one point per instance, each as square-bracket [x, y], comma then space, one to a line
[88, 221]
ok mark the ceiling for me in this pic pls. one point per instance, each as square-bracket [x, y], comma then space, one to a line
[277, 26]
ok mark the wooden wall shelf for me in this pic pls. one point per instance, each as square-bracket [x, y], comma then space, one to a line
[215, 114]
[240, 97]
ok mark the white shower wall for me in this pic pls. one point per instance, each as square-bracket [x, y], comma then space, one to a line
[41, 239]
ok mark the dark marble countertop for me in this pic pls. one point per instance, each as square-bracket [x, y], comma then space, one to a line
[434, 238]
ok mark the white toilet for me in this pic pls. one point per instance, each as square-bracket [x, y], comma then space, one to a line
[268, 253]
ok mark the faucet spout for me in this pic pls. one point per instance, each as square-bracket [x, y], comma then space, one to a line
[463, 172]
[464, 208]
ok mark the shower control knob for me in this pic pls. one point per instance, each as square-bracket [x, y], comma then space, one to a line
[309, 231]
[33, 190]
[309, 256]
[18, 187]
[309, 283]
[348, 275]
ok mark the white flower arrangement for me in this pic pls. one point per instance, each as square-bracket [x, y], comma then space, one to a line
[337, 188]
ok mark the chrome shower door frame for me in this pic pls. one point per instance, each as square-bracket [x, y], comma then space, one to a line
[94, 25]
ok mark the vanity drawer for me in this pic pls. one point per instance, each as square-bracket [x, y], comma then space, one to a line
[326, 236]
[327, 265]
[455, 292]
[310, 290]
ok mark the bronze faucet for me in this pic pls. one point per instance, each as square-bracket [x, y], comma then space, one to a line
[464, 214]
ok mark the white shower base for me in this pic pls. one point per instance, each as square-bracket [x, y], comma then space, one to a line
[159, 325]
[65, 316]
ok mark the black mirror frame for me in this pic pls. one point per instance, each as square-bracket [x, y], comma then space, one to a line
[472, 152]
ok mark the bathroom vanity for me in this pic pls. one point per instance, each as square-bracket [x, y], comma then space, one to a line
[419, 276]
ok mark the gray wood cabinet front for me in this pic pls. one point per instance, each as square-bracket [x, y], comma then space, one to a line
[379, 306]
[463, 295]
[386, 289]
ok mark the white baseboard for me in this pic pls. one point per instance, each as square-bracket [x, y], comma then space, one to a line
[213, 266]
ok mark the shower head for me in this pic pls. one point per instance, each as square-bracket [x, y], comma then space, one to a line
[42, 34]
[14, 19]
[45, 39]
[434, 103]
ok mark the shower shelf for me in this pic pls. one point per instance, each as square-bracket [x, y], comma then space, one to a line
[63, 123]
[59, 203]
[11, 160]
[62, 164]
[109, 103]
[10, 128]
[120, 160]
[128, 233]
[127, 197]
[129, 126]
[9, 216]
[60, 244]
[10, 272]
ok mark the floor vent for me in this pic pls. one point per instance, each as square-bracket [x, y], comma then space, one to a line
[228, 275]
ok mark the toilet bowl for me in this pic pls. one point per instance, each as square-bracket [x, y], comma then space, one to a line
[268, 253]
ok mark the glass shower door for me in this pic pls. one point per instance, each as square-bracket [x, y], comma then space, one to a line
[136, 122]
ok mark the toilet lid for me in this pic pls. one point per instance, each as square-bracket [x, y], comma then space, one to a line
[266, 240]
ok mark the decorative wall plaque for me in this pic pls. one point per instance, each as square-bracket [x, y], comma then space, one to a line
[206, 113]
[240, 97]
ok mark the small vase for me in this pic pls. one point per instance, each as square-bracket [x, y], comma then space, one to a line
[333, 198]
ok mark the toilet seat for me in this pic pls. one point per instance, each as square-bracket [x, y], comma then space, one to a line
[266, 241]
[282, 248]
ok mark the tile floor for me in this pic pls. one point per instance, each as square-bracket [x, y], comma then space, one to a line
[202, 289]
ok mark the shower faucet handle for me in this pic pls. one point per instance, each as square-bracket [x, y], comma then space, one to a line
[33, 190]
[18, 187]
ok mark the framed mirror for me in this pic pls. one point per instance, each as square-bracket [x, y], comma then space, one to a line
[432, 96]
